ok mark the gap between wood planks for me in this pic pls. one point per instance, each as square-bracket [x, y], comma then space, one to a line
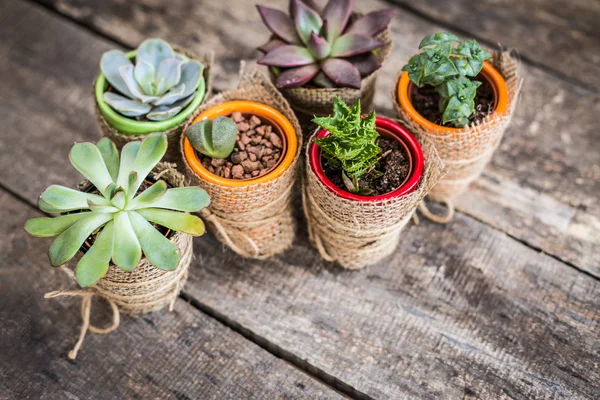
[523, 57]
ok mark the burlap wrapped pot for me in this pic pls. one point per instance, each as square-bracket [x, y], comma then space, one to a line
[254, 220]
[356, 234]
[144, 289]
[466, 151]
[173, 134]
[314, 101]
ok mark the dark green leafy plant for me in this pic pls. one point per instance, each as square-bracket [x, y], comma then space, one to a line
[448, 69]
[352, 145]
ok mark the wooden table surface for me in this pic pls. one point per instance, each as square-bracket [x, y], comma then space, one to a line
[503, 302]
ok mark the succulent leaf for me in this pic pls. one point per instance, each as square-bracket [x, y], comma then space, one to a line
[125, 106]
[271, 45]
[110, 155]
[191, 74]
[159, 250]
[155, 51]
[190, 199]
[144, 73]
[161, 113]
[307, 20]
[177, 221]
[68, 243]
[365, 63]
[49, 227]
[341, 72]
[279, 23]
[298, 76]
[110, 65]
[87, 159]
[323, 81]
[336, 13]
[65, 199]
[134, 87]
[168, 75]
[126, 247]
[95, 262]
[151, 151]
[128, 155]
[214, 138]
[173, 95]
[437, 38]
[351, 44]
[148, 196]
[288, 56]
[319, 47]
[372, 23]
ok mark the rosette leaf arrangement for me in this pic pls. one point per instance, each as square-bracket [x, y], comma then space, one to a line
[321, 45]
[120, 219]
[158, 86]
[449, 69]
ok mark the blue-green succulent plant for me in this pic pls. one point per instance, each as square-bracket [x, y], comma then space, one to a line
[159, 85]
[120, 221]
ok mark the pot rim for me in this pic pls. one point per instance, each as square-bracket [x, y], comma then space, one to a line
[401, 134]
[247, 107]
[131, 127]
[488, 71]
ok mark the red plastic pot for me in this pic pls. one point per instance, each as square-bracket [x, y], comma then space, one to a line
[384, 126]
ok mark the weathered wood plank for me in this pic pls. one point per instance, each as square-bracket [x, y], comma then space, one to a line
[458, 312]
[546, 153]
[171, 355]
[562, 35]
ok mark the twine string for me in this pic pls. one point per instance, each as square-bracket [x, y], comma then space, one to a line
[440, 219]
[86, 306]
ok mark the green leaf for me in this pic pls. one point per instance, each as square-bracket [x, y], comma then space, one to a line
[65, 199]
[68, 243]
[152, 150]
[126, 248]
[110, 155]
[49, 227]
[349, 183]
[438, 38]
[159, 250]
[148, 196]
[119, 199]
[95, 262]
[175, 220]
[128, 155]
[99, 208]
[190, 199]
[87, 159]
[47, 208]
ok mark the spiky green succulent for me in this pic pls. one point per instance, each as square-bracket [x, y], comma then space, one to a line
[320, 45]
[214, 138]
[159, 85]
[120, 220]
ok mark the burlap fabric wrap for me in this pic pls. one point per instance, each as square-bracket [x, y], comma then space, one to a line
[173, 134]
[140, 291]
[359, 233]
[308, 102]
[254, 220]
[467, 151]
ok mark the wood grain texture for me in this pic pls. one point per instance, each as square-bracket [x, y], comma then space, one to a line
[562, 35]
[182, 354]
[546, 152]
[461, 311]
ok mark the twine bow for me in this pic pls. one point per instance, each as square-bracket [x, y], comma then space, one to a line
[86, 307]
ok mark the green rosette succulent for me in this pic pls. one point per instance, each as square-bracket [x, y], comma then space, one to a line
[320, 45]
[448, 69]
[120, 221]
[214, 138]
[158, 86]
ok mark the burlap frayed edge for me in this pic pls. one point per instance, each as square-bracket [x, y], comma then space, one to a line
[356, 234]
[467, 151]
[144, 289]
[173, 134]
[319, 101]
[254, 220]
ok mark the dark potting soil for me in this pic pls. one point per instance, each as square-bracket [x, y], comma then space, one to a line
[257, 150]
[395, 167]
[426, 101]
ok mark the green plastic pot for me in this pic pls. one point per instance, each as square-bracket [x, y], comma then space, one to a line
[132, 127]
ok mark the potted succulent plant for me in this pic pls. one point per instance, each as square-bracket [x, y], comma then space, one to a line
[451, 93]
[365, 178]
[154, 88]
[129, 230]
[242, 148]
[316, 54]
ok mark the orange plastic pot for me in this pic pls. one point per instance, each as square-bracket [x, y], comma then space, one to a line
[488, 72]
[250, 107]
